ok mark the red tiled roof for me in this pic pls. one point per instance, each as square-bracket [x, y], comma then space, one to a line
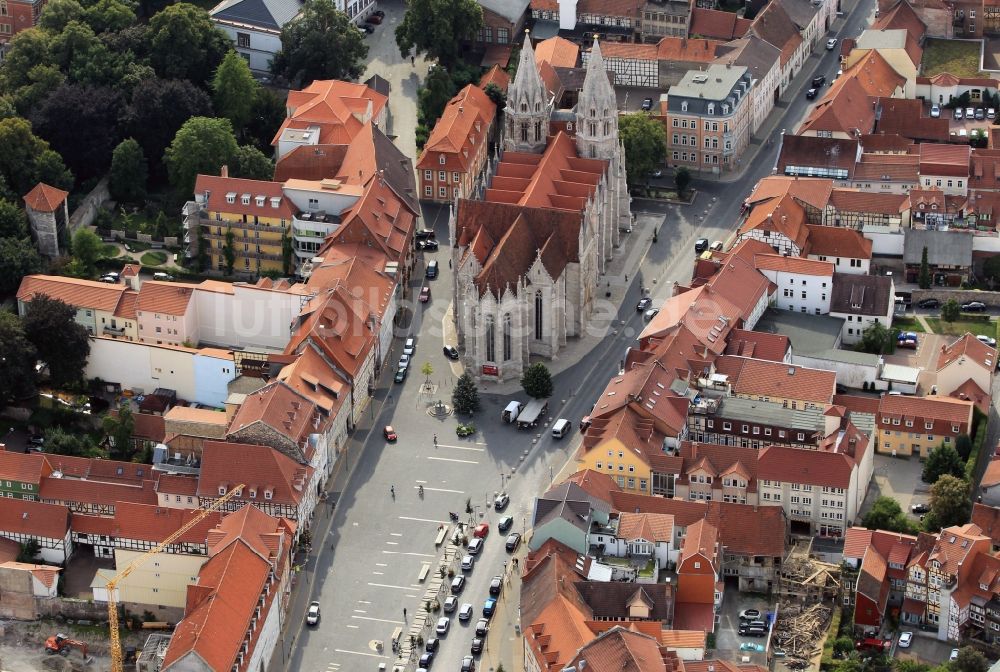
[967, 346]
[813, 467]
[970, 391]
[856, 542]
[846, 109]
[177, 484]
[339, 109]
[942, 411]
[778, 380]
[857, 404]
[987, 518]
[836, 241]
[780, 215]
[455, 135]
[339, 323]
[685, 49]
[796, 265]
[74, 291]
[773, 25]
[875, 75]
[945, 159]
[892, 167]
[221, 189]
[23, 467]
[885, 143]
[991, 476]
[495, 75]
[903, 16]
[558, 52]
[36, 519]
[44, 198]
[71, 492]
[906, 117]
[718, 25]
[757, 344]
[169, 298]
[260, 468]
[620, 650]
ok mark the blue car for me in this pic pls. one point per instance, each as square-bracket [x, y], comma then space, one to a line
[489, 607]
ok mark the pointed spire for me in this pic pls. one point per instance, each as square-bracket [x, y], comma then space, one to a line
[597, 90]
[527, 80]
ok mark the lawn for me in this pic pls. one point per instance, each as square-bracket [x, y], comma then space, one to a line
[110, 251]
[907, 324]
[960, 327]
[153, 258]
[956, 57]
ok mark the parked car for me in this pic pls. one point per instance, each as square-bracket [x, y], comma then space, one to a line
[482, 531]
[987, 340]
[368, 28]
[426, 658]
[513, 541]
[905, 639]
[644, 304]
[502, 500]
[374, 18]
[818, 81]
[468, 664]
[749, 614]
[425, 294]
[409, 346]
[496, 585]
[974, 307]
[313, 615]
[457, 585]
[701, 245]
[970, 113]
[432, 644]
[465, 613]
[468, 562]
[474, 547]
[36, 440]
[505, 523]
[647, 104]
[650, 314]
[920, 508]
[935, 111]
[400, 374]
[482, 627]
[953, 656]
[432, 270]
[427, 244]
[442, 625]
[928, 303]
[991, 113]
[477, 645]
[812, 93]
[980, 114]
[424, 234]
[716, 246]
[389, 433]
[957, 114]
[489, 607]
[451, 352]
[450, 604]
[831, 44]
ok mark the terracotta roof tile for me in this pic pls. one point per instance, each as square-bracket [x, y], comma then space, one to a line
[265, 535]
[875, 75]
[177, 484]
[37, 519]
[991, 476]
[780, 215]
[718, 25]
[687, 49]
[942, 411]
[905, 117]
[967, 346]
[618, 650]
[44, 198]
[23, 467]
[655, 527]
[942, 159]
[953, 546]
[774, 25]
[835, 241]
[779, 380]
[339, 109]
[260, 468]
[856, 542]
[876, 143]
[558, 52]
[170, 298]
[892, 167]
[987, 519]
[455, 135]
[903, 16]
[77, 293]
[857, 404]
[495, 75]
[796, 265]
[76, 493]
[846, 109]
[757, 344]
[243, 197]
[340, 324]
[813, 467]
[811, 191]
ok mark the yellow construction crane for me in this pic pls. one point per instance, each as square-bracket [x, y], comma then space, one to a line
[116, 643]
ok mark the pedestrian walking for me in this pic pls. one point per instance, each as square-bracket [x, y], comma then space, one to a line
[449, 263]
[411, 60]
[404, 613]
[435, 440]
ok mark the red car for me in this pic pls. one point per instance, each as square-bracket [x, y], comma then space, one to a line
[425, 294]
[389, 433]
[481, 531]
[374, 18]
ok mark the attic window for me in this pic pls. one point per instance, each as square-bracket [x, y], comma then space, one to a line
[933, 206]
[684, 106]
[246, 199]
[253, 492]
[260, 201]
[441, 159]
[222, 489]
[275, 202]
[697, 565]
[268, 494]
[231, 197]
[711, 108]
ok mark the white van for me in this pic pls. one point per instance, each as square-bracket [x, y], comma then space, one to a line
[561, 428]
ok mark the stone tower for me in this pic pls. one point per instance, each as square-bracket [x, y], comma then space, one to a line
[596, 111]
[526, 117]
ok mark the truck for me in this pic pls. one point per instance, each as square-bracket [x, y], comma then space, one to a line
[531, 413]
[510, 413]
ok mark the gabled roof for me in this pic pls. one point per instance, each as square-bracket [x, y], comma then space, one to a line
[227, 195]
[44, 198]
[687, 49]
[337, 110]
[887, 168]
[654, 527]
[774, 25]
[953, 546]
[456, 135]
[757, 344]
[341, 324]
[907, 118]
[967, 347]
[861, 294]
[717, 25]
[34, 519]
[511, 10]
[943, 248]
[813, 467]
[261, 469]
[903, 16]
[72, 491]
[778, 380]
[944, 159]
[620, 650]
[800, 152]
[873, 72]
[836, 241]
[149, 522]
[266, 536]
[280, 408]
[269, 15]
[23, 467]
[874, 38]
[780, 215]
[558, 52]
[794, 265]
[987, 519]
[73, 291]
[863, 201]
[847, 108]
[169, 298]
[810, 191]
[941, 409]
[497, 76]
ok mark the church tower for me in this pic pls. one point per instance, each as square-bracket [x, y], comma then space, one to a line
[526, 117]
[596, 111]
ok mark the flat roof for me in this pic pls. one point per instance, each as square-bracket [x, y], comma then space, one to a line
[807, 333]
[771, 413]
[900, 373]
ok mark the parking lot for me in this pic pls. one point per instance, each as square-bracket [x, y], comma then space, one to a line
[924, 649]
[898, 478]
[727, 637]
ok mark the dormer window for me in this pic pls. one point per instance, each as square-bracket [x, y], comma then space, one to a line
[684, 106]
[246, 199]
[275, 202]
[711, 108]
[268, 494]
[725, 109]
[231, 197]
[441, 159]
[253, 492]
[260, 201]
[222, 489]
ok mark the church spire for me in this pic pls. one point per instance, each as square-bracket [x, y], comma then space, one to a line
[526, 117]
[596, 110]
[597, 91]
[527, 81]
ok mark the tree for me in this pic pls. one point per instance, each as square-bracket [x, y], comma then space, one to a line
[26, 159]
[645, 143]
[465, 396]
[886, 514]
[951, 310]
[158, 109]
[108, 16]
[202, 145]
[86, 143]
[427, 370]
[29, 551]
[969, 660]
[266, 115]
[185, 44]
[963, 445]
[233, 90]
[876, 339]
[60, 341]
[940, 461]
[537, 381]
[497, 95]
[906, 665]
[843, 645]
[950, 503]
[43, 80]
[13, 222]
[18, 258]
[57, 14]
[924, 279]
[322, 43]
[87, 249]
[28, 49]
[229, 250]
[682, 180]
[433, 96]
[250, 163]
[287, 252]
[437, 28]
[119, 430]
[129, 172]
[61, 442]
[17, 360]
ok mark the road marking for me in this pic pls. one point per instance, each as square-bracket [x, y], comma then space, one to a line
[480, 450]
[393, 543]
[396, 534]
[380, 620]
[459, 492]
[363, 602]
[356, 627]
[361, 653]
[424, 520]
[360, 611]
[422, 555]
[389, 585]
[378, 564]
[451, 459]
[378, 573]
[421, 481]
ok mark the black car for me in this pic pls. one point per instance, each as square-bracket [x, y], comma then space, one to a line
[368, 28]
[424, 234]
[426, 659]
[36, 440]
[818, 81]
[468, 664]
[513, 541]
[920, 508]
[647, 104]
[496, 585]
[928, 303]
[477, 645]
[379, 13]
[427, 244]
[974, 307]
[451, 352]
[432, 644]
[457, 584]
[505, 524]
[701, 245]
[811, 93]
[644, 304]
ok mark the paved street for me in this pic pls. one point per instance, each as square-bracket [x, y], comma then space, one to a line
[368, 555]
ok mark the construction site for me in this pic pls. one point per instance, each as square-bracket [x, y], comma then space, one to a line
[808, 589]
[46, 646]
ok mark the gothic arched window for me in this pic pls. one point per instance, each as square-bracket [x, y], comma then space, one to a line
[524, 132]
[538, 315]
[538, 131]
[491, 345]
[524, 107]
[607, 128]
[506, 338]
[538, 107]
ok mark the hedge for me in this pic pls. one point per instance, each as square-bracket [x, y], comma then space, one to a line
[977, 445]
[827, 662]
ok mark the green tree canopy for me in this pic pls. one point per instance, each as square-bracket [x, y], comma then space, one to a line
[202, 145]
[437, 28]
[60, 341]
[86, 143]
[17, 359]
[28, 49]
[876, 339]
[13, 222]
[158, 109]
[963, 446]
[266, 115]
[645, 145]
[185, 44]
[107, 16]
[951, 310]
[886, 514]
[950, 503]
[323, 43]
[537, 381]
[969, 660]
[465, 396]
[18, 258]
[497, 95]
[119, 429]
[924, 279]
[250, 162]
[129, 172]
[26, 160]
[233, 91]
[87, 249]
[433, 96]
[942, 460]
[60, 442]
[682, 180]
[57, 14]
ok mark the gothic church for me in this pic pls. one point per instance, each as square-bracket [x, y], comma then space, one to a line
[528, 254]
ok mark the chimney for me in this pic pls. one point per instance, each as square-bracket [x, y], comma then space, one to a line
[224, 171]
[461, 109]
